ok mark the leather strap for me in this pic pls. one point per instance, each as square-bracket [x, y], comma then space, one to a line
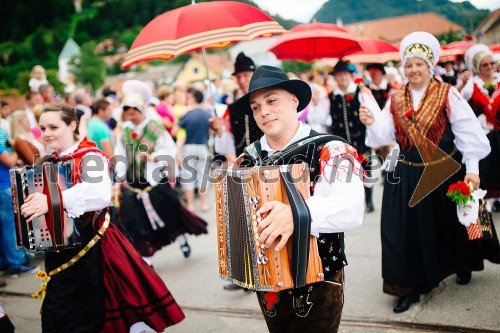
[302, 228]
[55, 215]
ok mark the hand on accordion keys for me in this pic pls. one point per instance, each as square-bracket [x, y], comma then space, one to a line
[277, 225]
[34, 206]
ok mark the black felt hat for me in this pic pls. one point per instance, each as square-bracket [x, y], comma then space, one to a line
[380, 67]
[340, 66]
[273, 77]
[243, 64]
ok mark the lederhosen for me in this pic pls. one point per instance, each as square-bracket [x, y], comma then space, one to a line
[304, 308]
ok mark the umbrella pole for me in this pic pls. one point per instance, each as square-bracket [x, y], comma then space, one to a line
[209, 85]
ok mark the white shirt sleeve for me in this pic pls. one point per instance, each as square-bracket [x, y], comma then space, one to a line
[337, 204]
[94, 192]
[468, 89]
[469, 135]
[165, 152]
[381, 132]
[120, 158]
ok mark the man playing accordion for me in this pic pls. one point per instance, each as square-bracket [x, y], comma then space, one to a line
[335, 206]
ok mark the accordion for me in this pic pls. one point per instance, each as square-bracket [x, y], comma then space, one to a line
[55, 230]
[239, 193]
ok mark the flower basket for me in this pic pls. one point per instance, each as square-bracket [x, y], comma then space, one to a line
[471, 210]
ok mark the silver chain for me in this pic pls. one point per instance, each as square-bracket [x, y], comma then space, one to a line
[346, 123]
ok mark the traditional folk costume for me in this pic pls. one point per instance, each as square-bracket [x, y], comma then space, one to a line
[423, 245]
[150, 209]
[381, 91]
[484, 98]
[344, 110]
[316, 307]
[105, 286]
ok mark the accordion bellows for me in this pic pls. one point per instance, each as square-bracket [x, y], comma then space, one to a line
[53, 231]
[240, 192]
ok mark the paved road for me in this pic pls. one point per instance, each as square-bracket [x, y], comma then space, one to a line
[195, 284]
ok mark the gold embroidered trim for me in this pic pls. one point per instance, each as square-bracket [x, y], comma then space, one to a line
[420, 49]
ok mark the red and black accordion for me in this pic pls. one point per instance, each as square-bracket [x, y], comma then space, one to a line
[54, 231]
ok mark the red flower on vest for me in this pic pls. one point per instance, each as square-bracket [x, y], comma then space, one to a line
[349, 97]
[410, 114]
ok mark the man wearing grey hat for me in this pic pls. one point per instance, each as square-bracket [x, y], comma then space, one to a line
[335, 206]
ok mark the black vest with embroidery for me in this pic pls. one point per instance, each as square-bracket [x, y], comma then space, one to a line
[330, 246]
[345, 120]
[381, 96]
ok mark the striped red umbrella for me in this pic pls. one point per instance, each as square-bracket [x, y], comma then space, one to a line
[314, 41]
[198, 26]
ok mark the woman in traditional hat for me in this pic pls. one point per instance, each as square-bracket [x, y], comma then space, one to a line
[422, 240]
[482, 91]
[150, 209]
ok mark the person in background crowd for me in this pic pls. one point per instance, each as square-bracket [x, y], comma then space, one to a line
[379, 86]
[165, 108]
[47, 93]
[37, 78]
[345, 101]
[482, 90]
[32, 99]
[425, 243]
[193, 151]
[27, 147]
[12, 260]
[449, 75]
[5, 111]
[97, 130]
[83, 101]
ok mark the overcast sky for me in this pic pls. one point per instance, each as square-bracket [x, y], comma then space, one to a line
[303, 10]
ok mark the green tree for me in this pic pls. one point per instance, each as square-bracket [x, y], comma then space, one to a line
[296, 67]
[89, 69]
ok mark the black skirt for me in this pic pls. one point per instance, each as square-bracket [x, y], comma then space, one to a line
[74, 301]
[165, 202]
[422, 245]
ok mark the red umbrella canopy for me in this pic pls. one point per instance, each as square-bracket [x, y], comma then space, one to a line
[461, 45]
[214, 24]
[495, 48]
[318, 25]
[374, 51]
[313, 41]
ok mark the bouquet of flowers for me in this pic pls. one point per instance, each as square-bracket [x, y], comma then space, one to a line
[470, 211]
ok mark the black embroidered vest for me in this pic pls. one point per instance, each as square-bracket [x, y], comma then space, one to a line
[345, 120]
[381, 96]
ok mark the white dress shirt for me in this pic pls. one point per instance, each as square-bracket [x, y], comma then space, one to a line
[337, 204]
[88, 195]
[469, 136]
[165, 149]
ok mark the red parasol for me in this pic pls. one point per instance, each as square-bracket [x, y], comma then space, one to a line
[460, 45]
[374, 51]
[495, 48]
[313, 41]
[214, 24]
